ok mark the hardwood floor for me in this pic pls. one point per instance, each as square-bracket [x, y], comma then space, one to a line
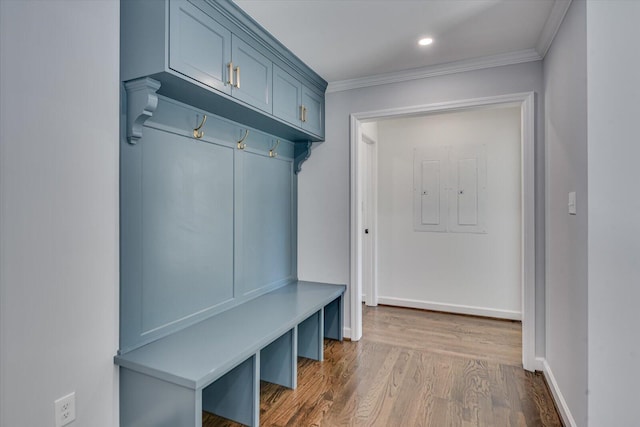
[413, 368]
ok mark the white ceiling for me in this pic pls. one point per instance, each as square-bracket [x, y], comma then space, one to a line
[350, 39]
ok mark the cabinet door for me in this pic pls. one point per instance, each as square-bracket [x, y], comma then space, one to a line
[287, 96]
[252, 75]
[199, 47]
[313, 103]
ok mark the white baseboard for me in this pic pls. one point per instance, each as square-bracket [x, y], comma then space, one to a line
[565, 413]
[451, 308]
[346, 332]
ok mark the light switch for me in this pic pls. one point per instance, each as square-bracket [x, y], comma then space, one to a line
[572, 203]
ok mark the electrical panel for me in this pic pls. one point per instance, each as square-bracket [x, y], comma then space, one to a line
[430, 201]
[450, 189]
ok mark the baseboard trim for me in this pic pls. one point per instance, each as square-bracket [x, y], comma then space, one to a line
[561, 404]
[451, 308]
[346, 332]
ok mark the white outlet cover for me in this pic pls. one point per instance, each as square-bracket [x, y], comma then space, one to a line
[65, 408]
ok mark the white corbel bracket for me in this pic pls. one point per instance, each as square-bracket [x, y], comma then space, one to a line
[142, 101]
[301, 152]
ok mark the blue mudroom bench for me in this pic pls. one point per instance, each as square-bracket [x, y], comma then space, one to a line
[216, 365]
[217, 118]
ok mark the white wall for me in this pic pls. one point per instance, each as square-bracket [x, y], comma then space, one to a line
[613, 66]
[476, 273]
[323, 222]
[565, 76]
[58, 210]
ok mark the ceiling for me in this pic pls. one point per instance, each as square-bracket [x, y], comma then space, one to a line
[351, 39]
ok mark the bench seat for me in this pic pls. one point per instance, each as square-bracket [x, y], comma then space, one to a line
[225, 348]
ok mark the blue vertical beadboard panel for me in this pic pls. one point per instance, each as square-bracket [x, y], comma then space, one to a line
[187, 228]
[236, 395]
[130, 239]
[149, 402]
[254, 77]
[278, 360]
[238, 231]
[267, 222]
[311, 337]
[333, 319]
[206, 60]
[178, 242]
[294, 223]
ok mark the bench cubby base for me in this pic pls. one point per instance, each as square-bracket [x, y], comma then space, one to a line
[311, 337]
[333, 319]
[146, 401]
[236, 395]
[217, 364]
[278, 360]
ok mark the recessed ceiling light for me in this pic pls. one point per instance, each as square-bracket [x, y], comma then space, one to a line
[425, 42]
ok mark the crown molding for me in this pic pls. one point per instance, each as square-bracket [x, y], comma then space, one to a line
[511, 58]
[552, 26]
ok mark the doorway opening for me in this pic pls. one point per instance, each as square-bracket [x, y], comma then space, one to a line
[364, 221]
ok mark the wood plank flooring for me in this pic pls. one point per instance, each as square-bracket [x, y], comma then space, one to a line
[413, 368]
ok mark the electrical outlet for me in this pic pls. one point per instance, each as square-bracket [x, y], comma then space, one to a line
[65, 409]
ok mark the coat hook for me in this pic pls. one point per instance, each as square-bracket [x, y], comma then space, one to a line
[272, 152]
[197, 133]
[241, 144]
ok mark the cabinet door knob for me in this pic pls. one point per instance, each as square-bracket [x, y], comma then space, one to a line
[366, 231]
[237, 77]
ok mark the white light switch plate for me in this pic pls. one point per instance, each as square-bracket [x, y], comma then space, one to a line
[572, 203]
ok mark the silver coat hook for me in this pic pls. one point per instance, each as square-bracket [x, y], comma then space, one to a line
[241, 144]
[272, 152]
[197, 133]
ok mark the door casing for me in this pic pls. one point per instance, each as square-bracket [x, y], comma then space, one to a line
[526, 101]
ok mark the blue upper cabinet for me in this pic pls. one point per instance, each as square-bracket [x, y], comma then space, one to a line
[312, 111]
[251, 74]
[296, 103]
[199, 47]
[211, 55]
[287, 97]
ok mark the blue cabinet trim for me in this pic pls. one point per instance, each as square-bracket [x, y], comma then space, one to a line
[302, 153]
[142, 101]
